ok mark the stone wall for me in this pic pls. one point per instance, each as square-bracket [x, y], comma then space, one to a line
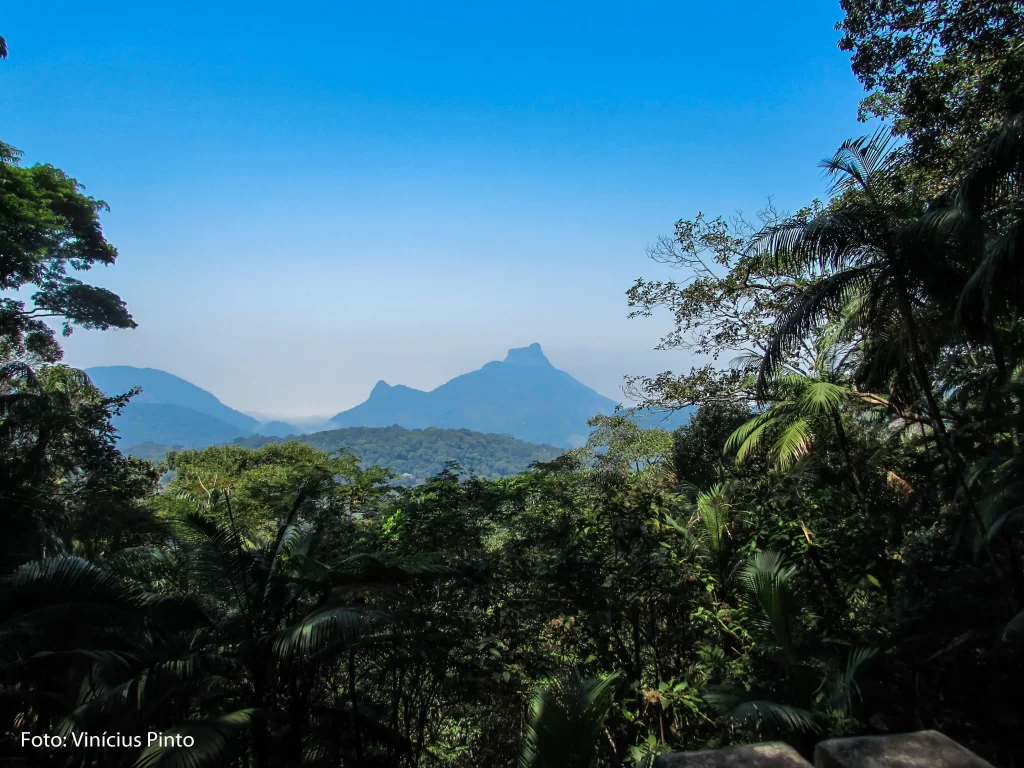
[924, 749]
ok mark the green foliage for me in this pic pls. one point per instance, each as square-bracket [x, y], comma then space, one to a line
[883, 340]
[617, 443]
[945, 73]
[64, 488]
[47, 226]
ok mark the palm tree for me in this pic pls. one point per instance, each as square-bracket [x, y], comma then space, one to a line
[70, 630]
[711, 518]
[804, 410]
[866, 249]
[767, 584]
[566, 719]
[805, 405]
[257, 655]
[879, 247]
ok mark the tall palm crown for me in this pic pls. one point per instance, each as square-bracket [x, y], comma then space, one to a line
[872, 248]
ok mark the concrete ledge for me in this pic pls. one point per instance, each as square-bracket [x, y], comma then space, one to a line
[774, 754]
[925, 749]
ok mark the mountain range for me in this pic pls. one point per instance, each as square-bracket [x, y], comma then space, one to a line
[523, 396]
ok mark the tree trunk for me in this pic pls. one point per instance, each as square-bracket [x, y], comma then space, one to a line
[357, 734]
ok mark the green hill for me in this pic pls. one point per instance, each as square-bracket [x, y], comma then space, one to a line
[413, 453]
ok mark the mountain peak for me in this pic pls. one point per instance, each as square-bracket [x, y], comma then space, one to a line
[380, 386]
[531, 355]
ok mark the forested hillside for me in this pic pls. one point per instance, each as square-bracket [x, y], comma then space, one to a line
[416, 454]
[413, 454]
[832, 545]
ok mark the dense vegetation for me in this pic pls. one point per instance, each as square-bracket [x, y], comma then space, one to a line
[832, 545]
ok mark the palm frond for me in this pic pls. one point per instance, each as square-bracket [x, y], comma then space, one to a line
[745, 439]
[62, 580]
[166, 681]
[766, 580]
[714, 509]
[213, 742]
[565, 722]
[831, 241]
[340, 624]
[821, 302]
[216, 557]
[140, 563]
[752, 708]
[859, 162]
[691, 541]
[843, 685]
[997, 170]
[366, 568]
[793, 444]
[822, 397]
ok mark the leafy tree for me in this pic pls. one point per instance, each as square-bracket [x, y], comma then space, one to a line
[724, 303]
[64, 487]
[48, 227]
[617, 443]
[946, 74]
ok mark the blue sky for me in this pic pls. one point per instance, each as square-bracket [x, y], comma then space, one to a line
[309, 197]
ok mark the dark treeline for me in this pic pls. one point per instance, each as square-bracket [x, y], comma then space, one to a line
[831, 546]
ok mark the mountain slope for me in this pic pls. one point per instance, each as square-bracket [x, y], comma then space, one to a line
[523, 395]
[162, 387]
[172, 425]
[172, 411]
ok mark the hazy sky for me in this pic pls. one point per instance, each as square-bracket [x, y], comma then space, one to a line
[308, 197]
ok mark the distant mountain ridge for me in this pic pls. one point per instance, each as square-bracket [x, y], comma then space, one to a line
[165, 388]
[170, 424]
[523, 395]
[172, 411]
